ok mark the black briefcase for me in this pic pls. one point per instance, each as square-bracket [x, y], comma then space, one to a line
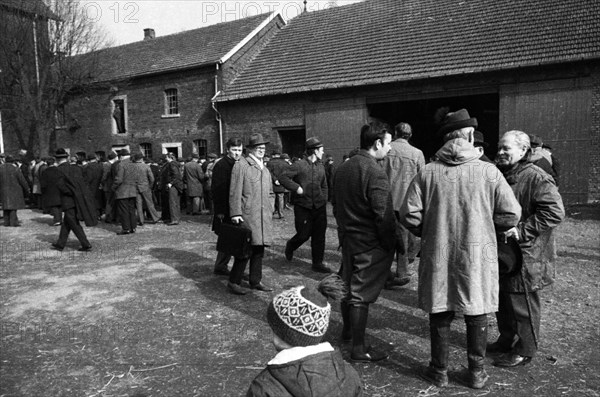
[234, 240]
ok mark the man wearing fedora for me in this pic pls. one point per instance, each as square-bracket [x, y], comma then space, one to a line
[401, 164]
[250, 203]
[456, 204]
[480, 144]
[125, 188]
[519, 312]
[171, 183]
[76, 203]
[307, 182]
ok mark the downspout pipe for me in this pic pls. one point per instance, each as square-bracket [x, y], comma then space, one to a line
[214, 106]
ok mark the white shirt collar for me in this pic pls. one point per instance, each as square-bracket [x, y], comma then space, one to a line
[259, 162]
[298, 352]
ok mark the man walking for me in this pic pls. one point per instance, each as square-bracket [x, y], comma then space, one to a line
[221, 180]
[362, 205]
[456, 203]
[307, 181]
[75, 203]
[401, 164]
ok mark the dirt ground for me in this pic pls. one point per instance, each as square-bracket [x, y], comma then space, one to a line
[143, 315]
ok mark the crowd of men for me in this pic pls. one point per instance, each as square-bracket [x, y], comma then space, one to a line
[483, 230]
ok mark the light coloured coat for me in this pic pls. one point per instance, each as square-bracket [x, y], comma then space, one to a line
[454, 205]
[250, 195]
[126, 179]
[401, 164]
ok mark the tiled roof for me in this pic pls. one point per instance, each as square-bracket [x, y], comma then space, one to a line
[30, 7]
[382, 41]
[173, 52]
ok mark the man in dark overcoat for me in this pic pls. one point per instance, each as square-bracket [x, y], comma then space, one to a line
[13, 189]
[50, 192]
[171, 183]
[193, 177]
[306, 181]
[363, 209]
[108, 172]
[220, 188]
[93, 171]
[75, 202]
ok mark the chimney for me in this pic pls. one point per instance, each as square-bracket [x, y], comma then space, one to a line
[149, 34]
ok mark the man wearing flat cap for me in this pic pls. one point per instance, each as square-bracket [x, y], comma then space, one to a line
[456, 203]
[307, 182]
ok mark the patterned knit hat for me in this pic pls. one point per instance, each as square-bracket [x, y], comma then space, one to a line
[300, 316]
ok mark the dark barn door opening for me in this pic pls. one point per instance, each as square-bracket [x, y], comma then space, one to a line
[420, 115]
[292, 141]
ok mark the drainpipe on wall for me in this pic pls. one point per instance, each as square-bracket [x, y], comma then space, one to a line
[214, 106]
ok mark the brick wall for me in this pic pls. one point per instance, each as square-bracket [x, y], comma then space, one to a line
[145, 110]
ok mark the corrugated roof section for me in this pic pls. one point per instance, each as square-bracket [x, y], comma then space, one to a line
[381, 41]
[174, 52]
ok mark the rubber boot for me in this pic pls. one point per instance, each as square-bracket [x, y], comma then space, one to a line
[360, 352]
[437, 372]
[347, 329]
[476, 344]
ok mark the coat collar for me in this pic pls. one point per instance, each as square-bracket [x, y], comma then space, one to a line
[299, 352]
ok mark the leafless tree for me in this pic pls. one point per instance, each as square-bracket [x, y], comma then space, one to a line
[41, 63]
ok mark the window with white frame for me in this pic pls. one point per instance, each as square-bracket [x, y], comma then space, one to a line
[171, 102]
[146, 149]
[200, 146]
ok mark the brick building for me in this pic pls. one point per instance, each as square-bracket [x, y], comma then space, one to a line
[155, 95]
[533, 66]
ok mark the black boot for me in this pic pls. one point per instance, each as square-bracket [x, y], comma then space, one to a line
[476, 344]
[439, 330]
[360, 352]
[347, 329]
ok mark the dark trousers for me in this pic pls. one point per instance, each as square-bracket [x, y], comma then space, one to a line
[514, 323]
[70, 222]
[144, 199]
[56, 213]
[171, 211]
[239, 265]
[109, 208]
[208, 200]
[439, 329]
[279, 204]
[193, 205]
[127, 214]
[364, 273]
[310, 224]
[10, 218]
[222, 261]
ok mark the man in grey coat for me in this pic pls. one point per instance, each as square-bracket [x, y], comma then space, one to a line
[456, 204]
[401, 164]
[125, 188]
[193, 178]
[144, 183]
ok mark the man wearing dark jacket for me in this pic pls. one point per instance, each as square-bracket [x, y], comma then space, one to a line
[75, 202]
[125, 188]
[276, 167]
[307, 181]
[363, 209]
[171, 183]
[221, 179]
[13, 189]
[50, 193]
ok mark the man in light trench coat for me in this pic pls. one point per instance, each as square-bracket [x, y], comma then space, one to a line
[455, 204]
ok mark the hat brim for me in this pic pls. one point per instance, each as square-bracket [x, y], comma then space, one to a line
[457, 125]
[258, 143]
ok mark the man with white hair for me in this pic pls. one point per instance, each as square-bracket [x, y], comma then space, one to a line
[519, 313]
[456, 203]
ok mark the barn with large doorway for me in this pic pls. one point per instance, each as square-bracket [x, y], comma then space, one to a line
[531, 66]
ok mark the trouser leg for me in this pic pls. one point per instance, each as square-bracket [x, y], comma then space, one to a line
[123, 211]
[439, 330]
[166, 214]
[303, 225]
[506, 321]
[77, 229]
[139, 205]
[317, 239]
[526, 325]
[237, 271]
[221, 261]
[174, 208]
[147, 197]
[258, 251]
[65, 228]
[6, 217]
[56, 214]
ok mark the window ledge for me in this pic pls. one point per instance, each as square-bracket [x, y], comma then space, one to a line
[170, 116]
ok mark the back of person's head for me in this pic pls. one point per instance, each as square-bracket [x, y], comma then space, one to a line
[300, 316]
[403, 130]
[370, 133]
